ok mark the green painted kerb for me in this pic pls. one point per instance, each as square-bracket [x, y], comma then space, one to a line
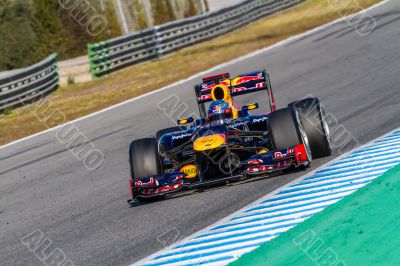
[361, 229]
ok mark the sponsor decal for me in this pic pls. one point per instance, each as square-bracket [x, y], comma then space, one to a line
[151, 182]
[258, 120]
[261, 168]
[166, 188]
[256, 161]
[279, 154]
[239, 124]
[206, 97]
[181, 136]
[206, 87]
[189, 170]
[260, 85]
[244, 79]
[239, 89]
[209, 142]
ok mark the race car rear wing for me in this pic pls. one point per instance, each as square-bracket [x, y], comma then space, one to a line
[240, 85]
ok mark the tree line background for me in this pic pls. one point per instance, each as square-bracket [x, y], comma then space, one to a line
[30, 30]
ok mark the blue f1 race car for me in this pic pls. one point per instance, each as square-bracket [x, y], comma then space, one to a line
[228, 143]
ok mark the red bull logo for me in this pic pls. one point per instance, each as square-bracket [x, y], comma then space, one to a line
[245, 79]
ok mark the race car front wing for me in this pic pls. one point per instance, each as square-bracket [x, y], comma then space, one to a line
[263, 163]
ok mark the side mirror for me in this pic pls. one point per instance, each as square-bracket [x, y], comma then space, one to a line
[249, 107]
[185, 121]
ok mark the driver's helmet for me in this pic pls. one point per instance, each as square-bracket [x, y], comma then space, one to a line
[219, 110]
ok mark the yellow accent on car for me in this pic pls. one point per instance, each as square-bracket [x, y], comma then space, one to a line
[252, 106]
[209, 142]
[262, 151]
[235, 81]
[221, 92]
[235, 113]
[189, 170]
[182, 121]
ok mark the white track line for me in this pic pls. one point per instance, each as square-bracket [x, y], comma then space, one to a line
[240, 215]
[243, 230]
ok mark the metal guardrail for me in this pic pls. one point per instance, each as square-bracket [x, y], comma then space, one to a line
[114, 54]
[29, 84]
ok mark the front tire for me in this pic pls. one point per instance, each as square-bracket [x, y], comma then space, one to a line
[144, 158]
[312, 115]
[286, 130]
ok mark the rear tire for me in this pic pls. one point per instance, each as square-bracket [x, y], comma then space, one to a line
[144, 159]
[316, 128]
[286, 130]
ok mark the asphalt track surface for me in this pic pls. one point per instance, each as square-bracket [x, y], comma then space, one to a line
[85, 214]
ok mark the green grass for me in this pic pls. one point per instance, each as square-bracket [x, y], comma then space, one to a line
[361, 229]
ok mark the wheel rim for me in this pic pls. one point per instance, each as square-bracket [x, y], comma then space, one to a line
[325, 127]
[304, 137]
